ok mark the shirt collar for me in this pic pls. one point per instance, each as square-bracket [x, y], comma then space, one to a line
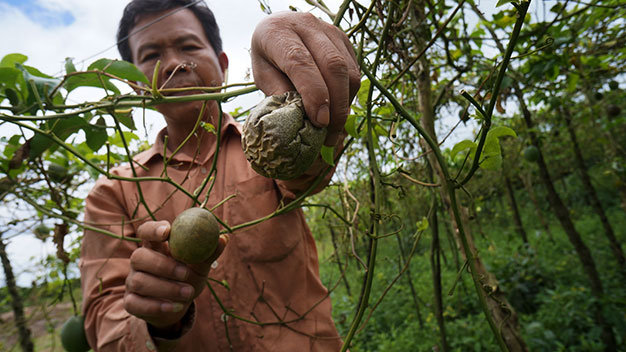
[229, 125]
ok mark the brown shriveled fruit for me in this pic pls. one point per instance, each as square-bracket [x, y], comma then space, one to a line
[279, 140]
[194, 236]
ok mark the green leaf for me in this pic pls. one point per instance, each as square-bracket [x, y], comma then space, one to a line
[12, 145]
[69, 66]
[505, 21]
[128, 136]
[63, 128]
[121, 69]
[380, 130]
[96, 135]
[209, 127]
[8, 76]
[491, 162]
[491, 156]
[11, 94]
[328, 154]
[42, 82]
[10, 60]
[500, 131]
[422, 225]
[89, 80]
[572, 81]
[461, 146]
[385, 110]
[363, 93]
[126, 118]
[350, 126]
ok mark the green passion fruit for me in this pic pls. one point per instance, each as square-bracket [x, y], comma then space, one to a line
[57, 173]
[194, 236]
[613, 110]
[531, 153]
[73, 336]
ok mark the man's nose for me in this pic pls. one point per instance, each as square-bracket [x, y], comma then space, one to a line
[173, 63]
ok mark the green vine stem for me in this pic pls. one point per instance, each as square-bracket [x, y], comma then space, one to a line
[118, 127]
[133, 101]
[375, 180]
[522, 9]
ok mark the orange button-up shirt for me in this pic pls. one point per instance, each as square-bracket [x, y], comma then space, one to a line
[271, 269]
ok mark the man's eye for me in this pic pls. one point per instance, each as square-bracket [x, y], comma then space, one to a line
[190, 48]
[149, 57]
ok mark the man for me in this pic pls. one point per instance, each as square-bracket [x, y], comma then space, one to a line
[264, 291]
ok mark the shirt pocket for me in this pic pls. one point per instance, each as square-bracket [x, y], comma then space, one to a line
[271, 240]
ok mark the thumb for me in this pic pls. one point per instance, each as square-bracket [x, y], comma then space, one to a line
[154, 234]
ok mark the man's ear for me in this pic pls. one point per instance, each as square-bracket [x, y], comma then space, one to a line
[223, 59]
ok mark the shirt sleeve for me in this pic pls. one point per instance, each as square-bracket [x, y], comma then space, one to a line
[104, 266]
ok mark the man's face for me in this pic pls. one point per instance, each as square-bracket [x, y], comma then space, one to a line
[187, 58]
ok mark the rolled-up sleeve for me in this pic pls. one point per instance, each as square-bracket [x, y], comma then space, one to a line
[104, 266]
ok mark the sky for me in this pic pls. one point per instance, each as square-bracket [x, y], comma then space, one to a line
[48, 31]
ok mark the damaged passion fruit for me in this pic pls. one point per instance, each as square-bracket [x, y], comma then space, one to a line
[194, 236]
[279, 140]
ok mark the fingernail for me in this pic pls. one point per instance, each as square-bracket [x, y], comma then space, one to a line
[177, 307]
[161, 231]
[180, 272]
[171, 307]
[186, 292]
[323, 115]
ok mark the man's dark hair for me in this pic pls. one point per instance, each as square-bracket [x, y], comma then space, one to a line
[137, 8]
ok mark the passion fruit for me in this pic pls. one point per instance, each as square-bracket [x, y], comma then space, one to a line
[57, 173]
[531, 153]
[613, 110]
[278, 139]
[194, 236]
[41, 232]
[73, 336]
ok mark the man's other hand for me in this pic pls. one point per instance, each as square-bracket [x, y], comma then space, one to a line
[298, 50]
[160, 289]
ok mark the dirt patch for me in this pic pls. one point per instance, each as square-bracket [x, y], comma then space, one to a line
[43, 321]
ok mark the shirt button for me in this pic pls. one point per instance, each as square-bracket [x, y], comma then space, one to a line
[203, 170]
[214, 265]
[224, 317]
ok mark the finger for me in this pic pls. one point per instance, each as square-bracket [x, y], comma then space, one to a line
[154, 234]
[222, 242]
[149, 308]
[333, 61]
[199, 272]
[284, 50]
[269, 79]
[150, 286]
[156, 263]
[154, 231]
[320, 62]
